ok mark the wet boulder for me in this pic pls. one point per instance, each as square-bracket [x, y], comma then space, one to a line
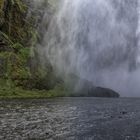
[96, 92]
[103, 92]
[84, 88]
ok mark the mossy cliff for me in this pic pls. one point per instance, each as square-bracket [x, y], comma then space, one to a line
[19, 33]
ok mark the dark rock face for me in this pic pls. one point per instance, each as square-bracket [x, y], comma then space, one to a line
[85, 88]
[96, 92]
[103, 92]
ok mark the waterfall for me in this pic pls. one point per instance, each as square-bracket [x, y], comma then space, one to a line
[97, 40]
[138, 32]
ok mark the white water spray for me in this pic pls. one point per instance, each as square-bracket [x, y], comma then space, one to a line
[97, 40]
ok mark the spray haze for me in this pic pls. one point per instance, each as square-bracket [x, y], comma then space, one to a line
[97, 40]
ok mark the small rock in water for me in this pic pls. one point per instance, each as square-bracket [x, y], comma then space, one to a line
[123, 112]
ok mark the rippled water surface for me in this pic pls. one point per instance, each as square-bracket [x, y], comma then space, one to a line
[70, 119]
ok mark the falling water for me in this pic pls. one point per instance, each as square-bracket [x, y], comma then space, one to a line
[97, 40]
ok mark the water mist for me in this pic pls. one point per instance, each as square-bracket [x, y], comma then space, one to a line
[96, 40]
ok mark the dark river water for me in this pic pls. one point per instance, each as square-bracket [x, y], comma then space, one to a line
[70, 119]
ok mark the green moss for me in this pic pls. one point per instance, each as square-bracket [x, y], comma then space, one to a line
[20, 93]
[1, 4]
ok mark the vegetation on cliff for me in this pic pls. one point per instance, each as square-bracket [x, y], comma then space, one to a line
[19, 64]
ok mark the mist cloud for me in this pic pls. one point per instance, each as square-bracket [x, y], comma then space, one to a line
[97, 41]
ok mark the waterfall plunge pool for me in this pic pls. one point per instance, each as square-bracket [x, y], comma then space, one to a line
[70, 119]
